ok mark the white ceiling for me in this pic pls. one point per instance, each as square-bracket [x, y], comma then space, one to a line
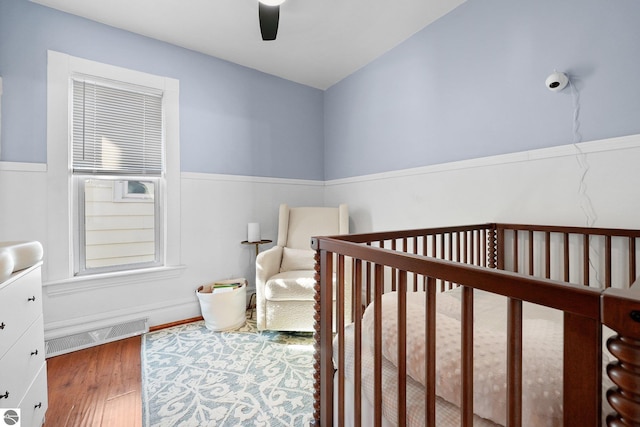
[319, 41]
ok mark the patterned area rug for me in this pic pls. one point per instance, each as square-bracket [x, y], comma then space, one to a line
[192, 376]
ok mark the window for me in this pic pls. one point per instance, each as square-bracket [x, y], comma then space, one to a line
[117, 229]
[113, 175]
[116, 139]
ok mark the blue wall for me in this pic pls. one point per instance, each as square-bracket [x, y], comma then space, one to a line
[472, 85]
[233, 120]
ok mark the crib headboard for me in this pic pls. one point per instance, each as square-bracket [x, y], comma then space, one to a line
[585, 272]
[597, 257]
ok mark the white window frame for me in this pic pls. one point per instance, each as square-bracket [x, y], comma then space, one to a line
[100, 96]
[59, 254]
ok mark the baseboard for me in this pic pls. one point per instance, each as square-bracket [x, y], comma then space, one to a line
[157, 314]
[176, 323]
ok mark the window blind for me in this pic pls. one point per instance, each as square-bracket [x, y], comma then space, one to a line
[116, 130]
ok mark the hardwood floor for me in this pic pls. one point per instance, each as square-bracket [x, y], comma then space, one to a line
[98, 386]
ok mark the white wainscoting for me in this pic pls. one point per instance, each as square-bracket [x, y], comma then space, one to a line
[593, 183]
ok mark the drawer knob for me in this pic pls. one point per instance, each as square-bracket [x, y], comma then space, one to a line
[33, 298]
[2, 325]
[5, 395]
[34, 353]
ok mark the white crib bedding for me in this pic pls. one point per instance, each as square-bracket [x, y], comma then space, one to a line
[542, 358]
[447, 414]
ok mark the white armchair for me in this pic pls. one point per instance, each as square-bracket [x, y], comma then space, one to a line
[285, 273]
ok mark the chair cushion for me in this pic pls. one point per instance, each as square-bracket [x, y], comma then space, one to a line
[297, 259]
[291, 285]
[306, 222]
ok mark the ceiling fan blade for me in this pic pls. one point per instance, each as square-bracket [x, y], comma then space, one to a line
[269, 17]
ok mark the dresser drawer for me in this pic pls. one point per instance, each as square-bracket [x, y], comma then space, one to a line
[20, 305]
[21, 364]
[34, 405]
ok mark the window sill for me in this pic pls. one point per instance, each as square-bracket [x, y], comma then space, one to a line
[107, 280]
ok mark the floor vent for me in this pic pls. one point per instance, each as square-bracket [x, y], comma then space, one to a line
[69, 343]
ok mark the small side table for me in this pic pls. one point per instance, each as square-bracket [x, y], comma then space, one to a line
[258, 243]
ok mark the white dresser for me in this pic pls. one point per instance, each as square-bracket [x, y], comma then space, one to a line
[23, 369]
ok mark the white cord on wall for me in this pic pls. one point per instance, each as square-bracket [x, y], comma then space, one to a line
[585, 201]
[581, 157]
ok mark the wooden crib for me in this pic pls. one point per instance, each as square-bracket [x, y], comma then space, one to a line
[586, 274]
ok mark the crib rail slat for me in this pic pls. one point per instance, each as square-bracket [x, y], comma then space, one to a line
[393, 270]
[567, 256]
[377, 338]
[430, 327]
[465, 246]
[582, 373]
[531, 254]
[357, 310]
[632, 260]
[479, 247]
[340, 325]
[516, 267]
[547, 254]
[607, 261]
[514, 363]
[466, 360]
[402, 348]
[433, 246]
[585, 259]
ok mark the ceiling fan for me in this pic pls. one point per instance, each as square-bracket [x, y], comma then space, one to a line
[269, 15]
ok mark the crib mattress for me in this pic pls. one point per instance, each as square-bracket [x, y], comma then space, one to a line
[544, 324]
[447, 414]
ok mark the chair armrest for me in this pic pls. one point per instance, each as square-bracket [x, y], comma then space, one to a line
[267, 264]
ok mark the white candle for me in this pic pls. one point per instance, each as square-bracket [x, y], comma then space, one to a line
[253, 232]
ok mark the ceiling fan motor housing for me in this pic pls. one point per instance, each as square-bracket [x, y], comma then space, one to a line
[269, 17]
